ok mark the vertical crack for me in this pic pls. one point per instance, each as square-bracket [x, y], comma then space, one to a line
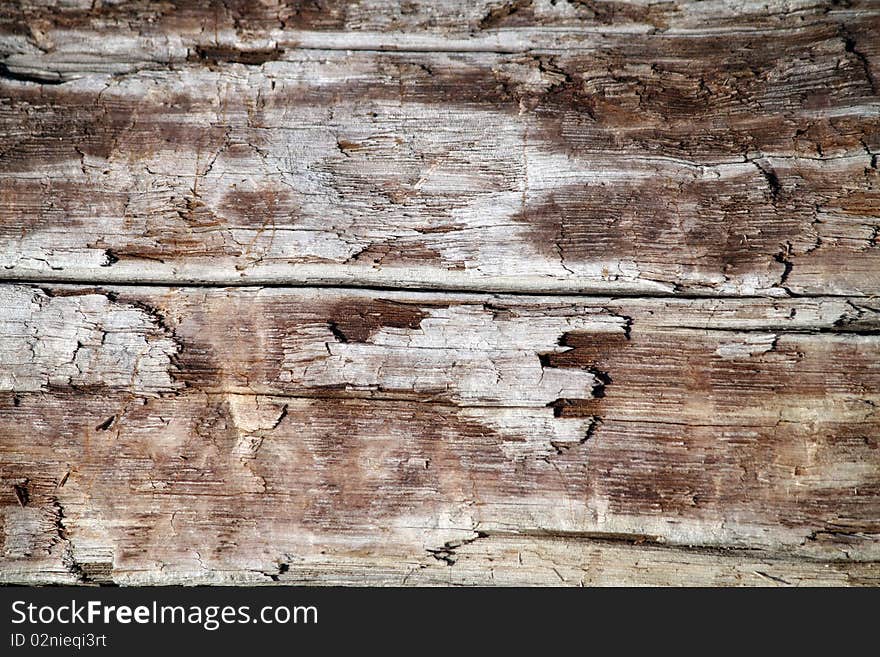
[784, 258]
[849, 45]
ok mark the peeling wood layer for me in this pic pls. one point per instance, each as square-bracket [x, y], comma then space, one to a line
[356, 437]
[80, 342]
[528, 146]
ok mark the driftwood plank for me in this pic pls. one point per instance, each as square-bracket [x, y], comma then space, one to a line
[631, 151]
[164, 420]
[132, 34]
[241, 435]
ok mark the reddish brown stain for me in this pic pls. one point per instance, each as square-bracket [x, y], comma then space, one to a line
[180, 15]
[621, 13]
[508, 14]
[225, 55]
[356, 321]
[732, 227]
[258, 208]
[401, 252]
[310, 14]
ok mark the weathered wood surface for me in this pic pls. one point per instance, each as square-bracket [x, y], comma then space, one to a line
[183, 399]
[155, 435]
[706, 148]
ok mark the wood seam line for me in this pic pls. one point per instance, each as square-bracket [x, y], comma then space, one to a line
[325, 41]
[654, 542]
[367, 286]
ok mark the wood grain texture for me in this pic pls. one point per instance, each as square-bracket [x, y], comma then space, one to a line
[269, 434]
[526, 292]
[670, 159]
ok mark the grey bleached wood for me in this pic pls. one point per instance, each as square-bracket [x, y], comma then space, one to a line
[660, 149]
[582, 561]
[267, 434]
[184, 435]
